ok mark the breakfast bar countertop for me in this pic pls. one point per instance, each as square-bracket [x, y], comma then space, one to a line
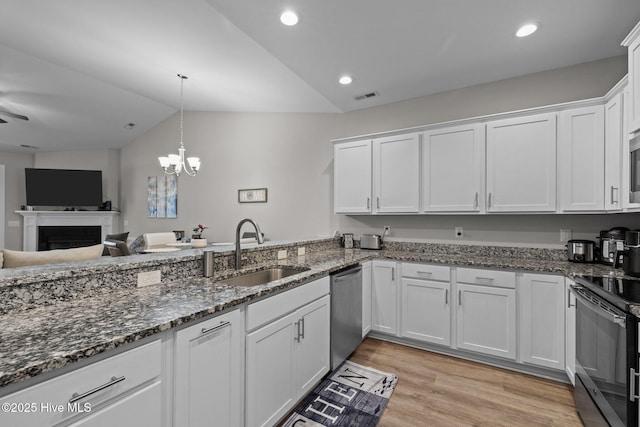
[45, 338]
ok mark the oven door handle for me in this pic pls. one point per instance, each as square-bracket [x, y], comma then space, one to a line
[598, 306]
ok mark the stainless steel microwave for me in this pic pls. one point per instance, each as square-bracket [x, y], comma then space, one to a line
[634, 170]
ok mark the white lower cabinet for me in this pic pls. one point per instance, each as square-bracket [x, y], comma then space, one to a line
[570, 333]
[208, 372]
[486, 314]
[366, 298]
[286, 357]
[426, 308]
[123, 390]
[384, 297]
[542, 330]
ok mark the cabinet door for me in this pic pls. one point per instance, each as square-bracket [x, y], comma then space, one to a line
[542, 328]
[396, 174]
[633, 43]
[312, 349]
[570, 333]
[581, 159]
[270, 384]
[426, 313]
[366, 298]
[209, 353]
[487, 320]
[352, 177]
[521, 164]
[384, 297]
[453, 169]
[613, 110]
[141, 408]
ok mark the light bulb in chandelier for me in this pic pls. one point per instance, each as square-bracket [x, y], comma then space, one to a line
[174, 164]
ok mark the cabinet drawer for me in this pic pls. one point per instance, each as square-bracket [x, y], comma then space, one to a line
[426, 272]
[276, 306]
[98, 382]
[499, 279]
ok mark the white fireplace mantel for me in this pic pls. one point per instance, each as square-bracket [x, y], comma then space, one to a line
[35, 219]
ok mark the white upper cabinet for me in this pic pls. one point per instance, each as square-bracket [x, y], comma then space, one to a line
[352, 177]
[396, 174]
[453, 169]
[521, 164]
[613, 123]
[633, 43]
[581, 159]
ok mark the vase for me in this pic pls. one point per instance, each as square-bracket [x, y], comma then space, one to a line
[198, 243]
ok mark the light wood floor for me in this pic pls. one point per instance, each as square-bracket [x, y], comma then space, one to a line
[437, 390]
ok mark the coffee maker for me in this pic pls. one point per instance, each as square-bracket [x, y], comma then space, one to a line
[630, 256]
[611, 242]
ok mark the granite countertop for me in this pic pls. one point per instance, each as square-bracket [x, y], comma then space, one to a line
[42, 339]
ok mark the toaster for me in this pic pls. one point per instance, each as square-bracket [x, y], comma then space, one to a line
[371, 241]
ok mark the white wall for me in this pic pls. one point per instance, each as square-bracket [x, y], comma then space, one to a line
[14, 194]
[291, 155]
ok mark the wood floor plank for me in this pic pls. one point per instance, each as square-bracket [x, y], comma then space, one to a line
[437, 390]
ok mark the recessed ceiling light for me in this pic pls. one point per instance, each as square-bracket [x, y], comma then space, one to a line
[289, 18]
[526, 30]
[345, 80]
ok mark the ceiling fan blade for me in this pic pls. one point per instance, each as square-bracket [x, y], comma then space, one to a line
[3, 121]
[14, 115]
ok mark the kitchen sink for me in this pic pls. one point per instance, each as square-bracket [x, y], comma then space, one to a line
[263, 276]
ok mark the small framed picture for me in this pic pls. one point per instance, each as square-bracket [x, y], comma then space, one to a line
[252, 195]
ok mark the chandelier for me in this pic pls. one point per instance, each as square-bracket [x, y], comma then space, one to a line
[174, 164]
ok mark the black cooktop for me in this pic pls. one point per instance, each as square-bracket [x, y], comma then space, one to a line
[618, 291]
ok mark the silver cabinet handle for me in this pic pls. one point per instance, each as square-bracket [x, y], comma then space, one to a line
[393, 274]
[302, 334]
[368, 202]
[569, 305]
[489, 201]
[459, 298]
[215, 328]
[425, 273]
[484, 279]
[632, 385]
[475, 201]
[614, 201]
[378, 202]
[297, 337]
[446, 297]
[77, 396]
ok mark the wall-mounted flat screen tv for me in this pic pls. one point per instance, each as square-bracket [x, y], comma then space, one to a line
[63, 187]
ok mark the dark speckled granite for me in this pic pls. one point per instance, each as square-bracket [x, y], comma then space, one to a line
[52, 334]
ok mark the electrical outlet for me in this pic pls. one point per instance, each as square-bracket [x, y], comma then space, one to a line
[459, 232]
[565, 234]
[282, 254]
[301, 251]
[387, 230]
[147, 278]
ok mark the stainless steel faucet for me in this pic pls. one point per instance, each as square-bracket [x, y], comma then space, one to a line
[258, 236]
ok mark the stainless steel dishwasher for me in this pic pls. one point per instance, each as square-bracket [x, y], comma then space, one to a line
[346, 313]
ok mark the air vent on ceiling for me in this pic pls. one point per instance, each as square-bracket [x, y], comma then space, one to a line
[366, 96]
[33, 147]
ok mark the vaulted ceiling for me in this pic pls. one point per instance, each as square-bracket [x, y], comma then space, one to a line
[82, 69]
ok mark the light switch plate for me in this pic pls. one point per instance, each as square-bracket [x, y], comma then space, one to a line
[13, 224]
[282, 254]
[302, 251]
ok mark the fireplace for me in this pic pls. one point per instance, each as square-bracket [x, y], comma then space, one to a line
[65, 237]
[79, 228]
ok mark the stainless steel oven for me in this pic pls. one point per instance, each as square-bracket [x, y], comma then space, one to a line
[606, 359]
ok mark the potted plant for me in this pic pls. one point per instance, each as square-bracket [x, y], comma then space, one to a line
[197, 241]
